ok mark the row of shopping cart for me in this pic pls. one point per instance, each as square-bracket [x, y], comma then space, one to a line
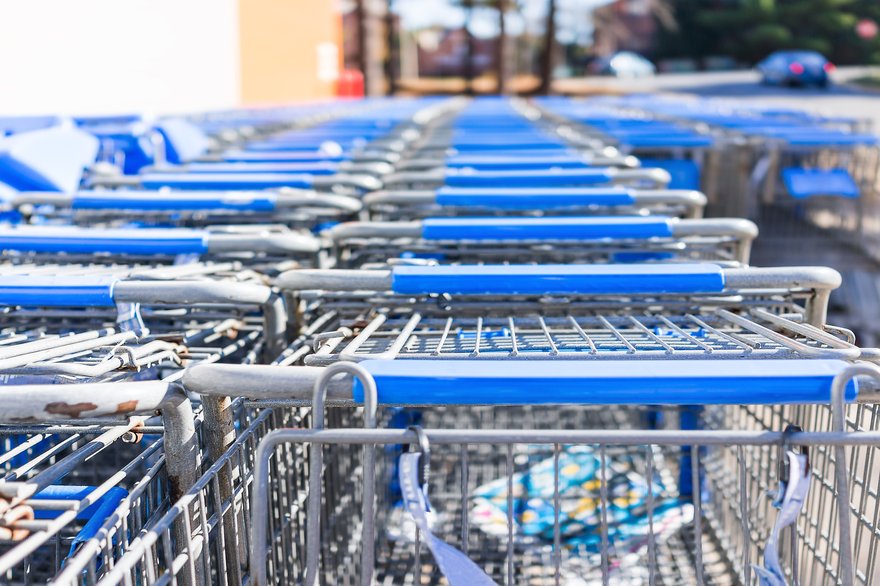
[785, 168]
[256, 357]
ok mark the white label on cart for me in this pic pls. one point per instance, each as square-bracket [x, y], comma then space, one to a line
[793, 495]
[458, 569]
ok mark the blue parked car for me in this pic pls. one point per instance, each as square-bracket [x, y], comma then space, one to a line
[795, 68]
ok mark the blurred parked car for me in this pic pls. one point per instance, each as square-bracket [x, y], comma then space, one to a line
[795, 68]
[623, 64]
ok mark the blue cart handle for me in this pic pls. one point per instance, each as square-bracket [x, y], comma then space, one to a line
[107, 291]
[654, 382]
[502, 163]
[563, 228]
[238, 181]
[170, 201]
[515, 279]
[152, 241]
[322, 168]
[281, 157]
[555, 178]
[221, 181]
[568, 279]
[41, 291]
[550, 229]
[557, 279]
[548, 198]
[69, 239]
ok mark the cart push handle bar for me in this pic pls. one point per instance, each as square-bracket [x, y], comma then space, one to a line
[106, 291]
[551, 178]
[547, 198]
[666, 382]
[129, 200]
[562, 279]
[236, 181]
[550, 229]
[506, 382]
[41, 402]
[68, 239]
[561, 161]
[149, 241]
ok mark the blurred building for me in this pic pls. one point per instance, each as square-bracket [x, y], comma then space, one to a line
[107, 56]
[447, 55]
[289, 50]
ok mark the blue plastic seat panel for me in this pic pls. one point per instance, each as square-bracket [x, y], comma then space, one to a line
[807, 183]
[47, 160]
[684, 173]
[16, 124]
[184, 141]
[606, 382]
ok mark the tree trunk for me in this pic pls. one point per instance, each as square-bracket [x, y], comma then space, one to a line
[549, 42]
[501, 49]
[392, 50]
[469, 54]
[361, 19]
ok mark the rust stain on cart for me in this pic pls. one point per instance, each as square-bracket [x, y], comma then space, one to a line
[74, 410]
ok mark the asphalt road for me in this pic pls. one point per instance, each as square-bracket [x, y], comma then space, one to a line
[838, 100]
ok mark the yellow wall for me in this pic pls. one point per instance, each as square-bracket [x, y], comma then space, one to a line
[280, 42]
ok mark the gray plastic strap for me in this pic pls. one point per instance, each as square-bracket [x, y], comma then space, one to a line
[789, 500]
[458, 569]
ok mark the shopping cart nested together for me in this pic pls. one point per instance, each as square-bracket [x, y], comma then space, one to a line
[248, 346]
[476, 360]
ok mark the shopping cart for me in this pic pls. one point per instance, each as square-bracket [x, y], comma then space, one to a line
[809, 180]
[491, 144]
[414, 365]
[758, 329]
[575, 239]
[586, 422]
[97, 353]
[373, 131]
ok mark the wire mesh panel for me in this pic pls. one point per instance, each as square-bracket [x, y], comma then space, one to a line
[629, 522]
[711, 334]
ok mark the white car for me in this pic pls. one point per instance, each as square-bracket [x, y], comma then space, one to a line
[624, 64]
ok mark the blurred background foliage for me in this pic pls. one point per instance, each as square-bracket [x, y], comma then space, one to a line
[748, 30]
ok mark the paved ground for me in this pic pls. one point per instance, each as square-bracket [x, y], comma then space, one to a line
[839, 100]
